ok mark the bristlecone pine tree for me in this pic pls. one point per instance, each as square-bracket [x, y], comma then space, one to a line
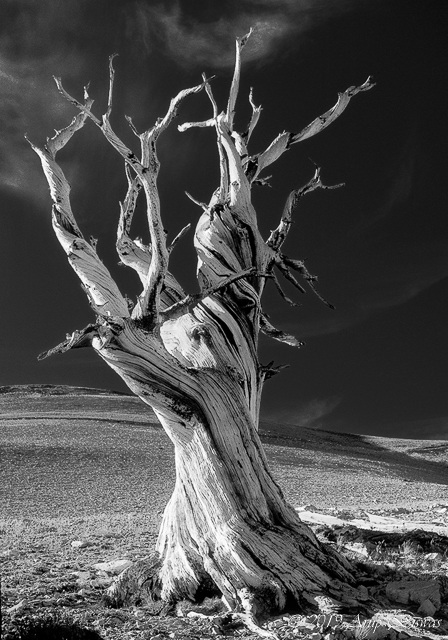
[227, 528]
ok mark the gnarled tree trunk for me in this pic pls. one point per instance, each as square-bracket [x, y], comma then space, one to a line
[193, 359]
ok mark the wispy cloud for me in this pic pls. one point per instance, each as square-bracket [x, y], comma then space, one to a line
[306, 414]
[418, 268]
[402, 178]
[191, 41]
[39, 39]
[28, 104]
[31, 51]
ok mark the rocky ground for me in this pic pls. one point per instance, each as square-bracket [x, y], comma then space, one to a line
[87, 476]
[404, 576]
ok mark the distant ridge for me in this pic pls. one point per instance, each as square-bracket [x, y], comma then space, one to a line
[59, 390]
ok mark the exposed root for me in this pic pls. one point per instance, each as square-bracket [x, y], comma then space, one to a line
[249, 620]
[138, 583]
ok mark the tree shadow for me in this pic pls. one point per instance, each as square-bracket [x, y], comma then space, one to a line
[357, 449]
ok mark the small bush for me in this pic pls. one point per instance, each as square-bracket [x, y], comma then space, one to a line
[51, 627]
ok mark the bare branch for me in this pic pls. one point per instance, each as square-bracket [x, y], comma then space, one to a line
[285, 139]
[210, 95]
[104, 295]
[321, 298]
[149, 301]
[282, 293]
[76, 340]
[105, 127]
[223, 169]
[288, 275]
[239, 143]
[131, 254]
[299, 266]
[135, 254]
[147, 171]
[269, 371]
[278, 235]
[239, 185]
[233, 95]
[189, 302]
[179, 236]
[111, 84]
[262, 182]
[163, 123]
[60, 139]
[200, 204]
[130, 201]
[188, 125]
[268, 329]
[131, 124]
[254, 118]
[84, 108]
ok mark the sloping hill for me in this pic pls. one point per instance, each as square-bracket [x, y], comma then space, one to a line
[69, 450]
[56, 390]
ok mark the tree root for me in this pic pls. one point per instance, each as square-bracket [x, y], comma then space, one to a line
[138, 583]
[246, 618]
[250, 622]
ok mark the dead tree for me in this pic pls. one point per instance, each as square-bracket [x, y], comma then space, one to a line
[193, 358]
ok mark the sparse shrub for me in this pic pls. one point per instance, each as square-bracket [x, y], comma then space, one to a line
[50, 627]
[410, 548]
[380, 552]
[362, 630]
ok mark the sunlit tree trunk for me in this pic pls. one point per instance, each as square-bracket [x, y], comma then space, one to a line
[193, 358]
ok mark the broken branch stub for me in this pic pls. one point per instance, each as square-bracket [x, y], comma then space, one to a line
[77, 340]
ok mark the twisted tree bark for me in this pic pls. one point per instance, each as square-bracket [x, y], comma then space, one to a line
[193, 358]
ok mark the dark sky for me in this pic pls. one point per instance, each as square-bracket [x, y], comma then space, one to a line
[378, 363]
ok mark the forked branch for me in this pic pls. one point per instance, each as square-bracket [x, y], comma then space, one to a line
[134, 254]
[248, 254]
[284, 263]
[104, 295]
[189, 302]
[147, 169]
[278, 236]
[285, 140]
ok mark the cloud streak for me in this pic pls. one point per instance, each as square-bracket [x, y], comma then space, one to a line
[39, 39]
[306, 414]
[32, 49]
[193, 41]
[28, 103]
[402, 182]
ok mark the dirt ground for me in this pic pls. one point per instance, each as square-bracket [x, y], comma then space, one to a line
[98, 470]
